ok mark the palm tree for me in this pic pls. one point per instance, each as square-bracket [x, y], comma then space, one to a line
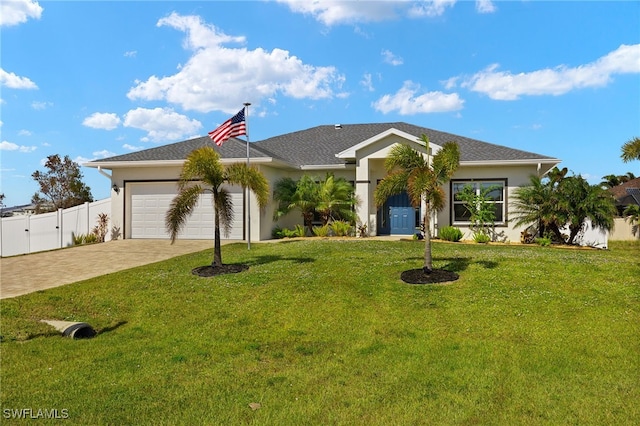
[411, 171]
[203, 172]
[536, 204]
[336, 200]
[632, 215]
[609, 181]
[332, 199]
[561, 201]
[583, 201]
[301, 195]
[631, 150]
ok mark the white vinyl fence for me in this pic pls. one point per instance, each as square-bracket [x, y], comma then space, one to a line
[48, 231]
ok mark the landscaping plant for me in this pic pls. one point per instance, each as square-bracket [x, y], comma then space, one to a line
[203, 172]
[450, 233]
[422, 177]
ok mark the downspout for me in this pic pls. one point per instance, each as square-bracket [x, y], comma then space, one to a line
[103, 173]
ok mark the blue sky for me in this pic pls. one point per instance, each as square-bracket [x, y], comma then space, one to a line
[95, 79]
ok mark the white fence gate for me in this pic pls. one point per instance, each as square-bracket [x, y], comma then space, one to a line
[48, 231]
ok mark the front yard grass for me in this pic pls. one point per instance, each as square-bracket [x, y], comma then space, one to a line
[325, 332]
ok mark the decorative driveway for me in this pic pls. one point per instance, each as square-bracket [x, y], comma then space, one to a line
[38, 271]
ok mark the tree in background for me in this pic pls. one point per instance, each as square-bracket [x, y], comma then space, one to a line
[631, 150]
[61, 185]
[203, 172]
[632, 215]
[557, 201]
[412, 171]
[609, 181]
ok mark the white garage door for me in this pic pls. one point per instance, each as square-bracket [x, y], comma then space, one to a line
[149, 204]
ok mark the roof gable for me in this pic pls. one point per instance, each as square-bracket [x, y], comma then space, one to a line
[351, 152]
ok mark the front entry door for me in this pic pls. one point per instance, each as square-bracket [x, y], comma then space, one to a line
[397, 216]
[402, 220]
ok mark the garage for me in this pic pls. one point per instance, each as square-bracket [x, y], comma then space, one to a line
[148, 202]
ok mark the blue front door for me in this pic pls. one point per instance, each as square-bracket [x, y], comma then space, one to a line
[403, 220]
[397, 216]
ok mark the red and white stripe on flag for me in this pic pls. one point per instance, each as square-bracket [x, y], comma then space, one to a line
[235, 126]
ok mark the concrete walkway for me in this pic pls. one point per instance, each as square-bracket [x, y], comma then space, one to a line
[38, 271]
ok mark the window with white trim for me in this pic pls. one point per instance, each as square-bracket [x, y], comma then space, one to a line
[496, 195]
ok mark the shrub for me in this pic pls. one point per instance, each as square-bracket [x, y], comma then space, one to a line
[543, 242]
[450, 233]
[81, 239]
[101, 229]
[321, 231]
[362, 230]
[299, 231]
[481, 238]
[277, 233]
[341, 228]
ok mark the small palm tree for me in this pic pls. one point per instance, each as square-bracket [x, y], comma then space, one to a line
[583, 201]
[301, 195]
[559, 201]
[411, 171]
[631, 150]
[537, 204]
[203, 172]
[632, 215]
[336, 200]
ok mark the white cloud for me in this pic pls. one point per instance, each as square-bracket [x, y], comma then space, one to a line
[485, 6]
[161, 124]
[13, 81]
[450, 83]
[407, 101]
[331, 12]
[131, 53]
[430, 8]
[366, 82]
[336, 12]
[132, 147]
[222, 78]
[10, 146]
[40, 105]
[24, 132]
[503, 85]
[390, 58]
[103, 154]
[102, 120]
[14, 12]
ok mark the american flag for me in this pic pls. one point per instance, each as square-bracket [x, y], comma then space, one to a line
[235, 126]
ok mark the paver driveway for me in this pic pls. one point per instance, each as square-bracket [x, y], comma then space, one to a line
[38, 271]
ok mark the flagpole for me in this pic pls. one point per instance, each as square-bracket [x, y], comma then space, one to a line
[246, 118]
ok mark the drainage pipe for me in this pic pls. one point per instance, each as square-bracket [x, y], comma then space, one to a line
[75, 330]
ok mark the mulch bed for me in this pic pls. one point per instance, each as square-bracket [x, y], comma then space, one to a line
[417, 276]
[212, 271]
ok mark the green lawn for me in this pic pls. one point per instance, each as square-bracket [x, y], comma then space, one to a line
[324, 332]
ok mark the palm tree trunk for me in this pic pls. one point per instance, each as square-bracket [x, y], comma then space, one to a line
[217, 250]
[428, 261]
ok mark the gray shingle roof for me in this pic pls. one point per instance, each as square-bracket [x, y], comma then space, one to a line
[233, 148]
[319, 145]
